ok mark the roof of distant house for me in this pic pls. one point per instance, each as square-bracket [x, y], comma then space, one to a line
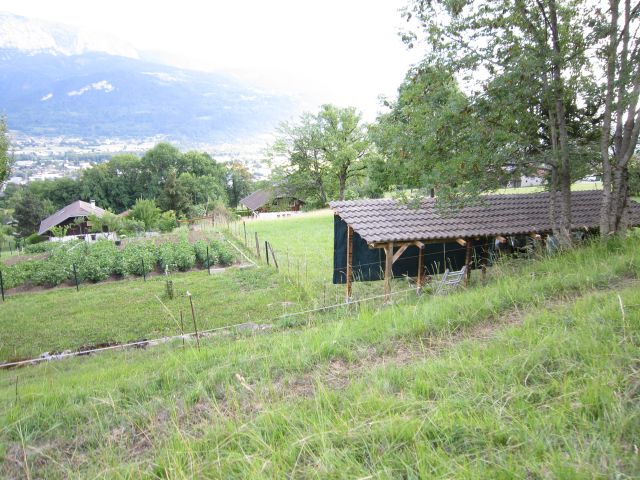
[387, 220]
[73, 210]
[259, 198]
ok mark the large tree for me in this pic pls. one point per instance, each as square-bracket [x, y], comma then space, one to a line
[29, 210]
[323, 153]
[520, 58]
[620, 53]
[5, 158]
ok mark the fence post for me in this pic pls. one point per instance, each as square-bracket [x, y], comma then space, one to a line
[273, 257]
[208, 261]
[244, 227]
[195, 323]
[266, 251]
[2, 285]
[75, 275]
[257, 246]
[144, 271]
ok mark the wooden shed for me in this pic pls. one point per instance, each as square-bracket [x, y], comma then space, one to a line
[271, 201]
[74, 216]
[382, 238]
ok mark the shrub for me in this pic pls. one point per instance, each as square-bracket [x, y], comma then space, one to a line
[100, 261]
[167, 221]
[131, 226]
[224, 254]
[200, 248]
[135, 254]
[34, 239]
[184, 255]
[147, 212]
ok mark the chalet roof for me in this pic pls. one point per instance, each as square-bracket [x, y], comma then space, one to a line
[259, 198]
[73, 210]
[386, 220]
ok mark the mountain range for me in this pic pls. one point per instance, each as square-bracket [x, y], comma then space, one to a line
[59, 81]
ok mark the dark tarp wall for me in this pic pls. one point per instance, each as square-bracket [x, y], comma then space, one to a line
[368, 263]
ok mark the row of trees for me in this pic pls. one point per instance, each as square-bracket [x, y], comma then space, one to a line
[188, 184]
[506, 88]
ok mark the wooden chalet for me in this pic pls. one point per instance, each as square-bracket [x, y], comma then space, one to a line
[74, 216]
[262, 201]
[419, 240]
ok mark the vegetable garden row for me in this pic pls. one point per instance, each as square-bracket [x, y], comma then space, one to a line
[103, 259]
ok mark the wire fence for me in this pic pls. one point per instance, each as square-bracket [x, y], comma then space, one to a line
[194, 334]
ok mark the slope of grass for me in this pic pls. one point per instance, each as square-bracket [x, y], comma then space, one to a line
[430, 390]
[302, 243]
[60, 319]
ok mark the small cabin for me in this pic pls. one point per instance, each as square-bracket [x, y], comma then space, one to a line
[74, 216]
[264, 201]
[382, 238]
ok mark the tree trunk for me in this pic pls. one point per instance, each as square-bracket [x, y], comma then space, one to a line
[343, 186]
[557, 89]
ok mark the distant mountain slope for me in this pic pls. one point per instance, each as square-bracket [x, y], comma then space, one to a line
[46, 92]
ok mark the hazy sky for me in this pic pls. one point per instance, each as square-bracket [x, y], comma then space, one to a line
[342, 51]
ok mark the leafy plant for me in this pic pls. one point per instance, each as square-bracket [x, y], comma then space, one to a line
[167, 221]
[224, 254]
[184, 255]
[147, 212]
[139, 258]
[200, 248]
[100, 261]
[58, 230]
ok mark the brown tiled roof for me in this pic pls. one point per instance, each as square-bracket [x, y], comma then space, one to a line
[73, 210]
[385, 220]
[257, 199]
[261, 197]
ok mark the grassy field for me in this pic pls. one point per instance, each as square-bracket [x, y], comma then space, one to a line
[304, 250]
[533, 376]
[60, 319]
[303, 242]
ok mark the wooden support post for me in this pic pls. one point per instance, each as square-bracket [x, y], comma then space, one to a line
[467, 261]
[420, 270]
[349, 262]
[483, 260]
[388, 270]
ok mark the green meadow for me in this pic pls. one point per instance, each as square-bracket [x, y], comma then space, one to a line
[533, 375]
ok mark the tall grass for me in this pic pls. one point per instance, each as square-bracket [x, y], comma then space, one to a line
[341, 397]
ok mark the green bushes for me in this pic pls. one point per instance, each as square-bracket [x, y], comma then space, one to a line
[139, 258]
[224, 253]
[99, 260]
[184, 255]
[34, 239]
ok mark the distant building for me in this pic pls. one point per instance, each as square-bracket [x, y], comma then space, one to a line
[263, 201]
[74, 216]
